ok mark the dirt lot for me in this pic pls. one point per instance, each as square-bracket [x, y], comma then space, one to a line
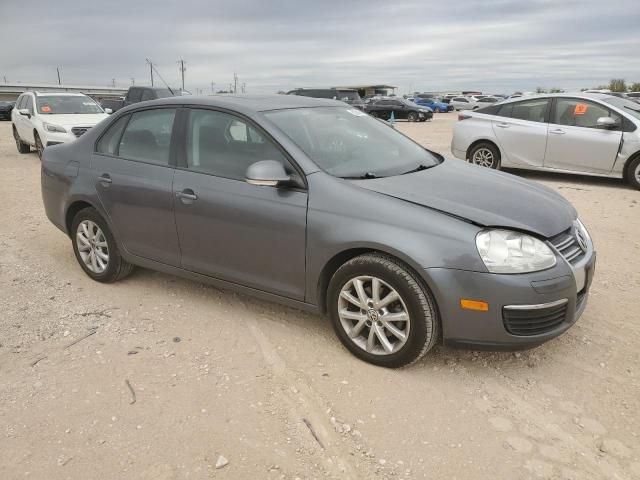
[216, 373]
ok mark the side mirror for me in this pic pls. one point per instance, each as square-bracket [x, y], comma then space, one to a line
[266, 173]
[25, 112]
[606, 122]
[108, 111]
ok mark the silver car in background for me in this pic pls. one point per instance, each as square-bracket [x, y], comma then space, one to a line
[585, 133]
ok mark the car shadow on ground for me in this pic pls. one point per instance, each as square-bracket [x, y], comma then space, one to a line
[301, 323]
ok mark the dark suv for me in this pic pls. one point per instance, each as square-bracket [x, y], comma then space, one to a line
[343, 94]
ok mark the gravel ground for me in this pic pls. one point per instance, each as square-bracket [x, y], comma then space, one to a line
[157, 377]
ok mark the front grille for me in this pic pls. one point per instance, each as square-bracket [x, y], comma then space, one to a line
[568, 245]
[79, 131]
[525, 321]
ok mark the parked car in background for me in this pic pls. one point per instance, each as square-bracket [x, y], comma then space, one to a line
[41, 119]
[5, 109]
[484, 101]
[142, 94]
[433, 104]
[402, 110]
[462, 103]
[350, 96]
[316, 205]
[593, 134]
[634, 96]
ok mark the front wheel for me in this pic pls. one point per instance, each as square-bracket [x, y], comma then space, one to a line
[381, 311]
[634, 173]
[20, 145]
[39, 146]
[96, 249]
[485, 155]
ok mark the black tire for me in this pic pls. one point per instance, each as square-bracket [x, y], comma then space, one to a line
[633, 173]
[117, 268]
[20, 145]
[39, 146]
[412, 117]
[481, 148]
[424, 322]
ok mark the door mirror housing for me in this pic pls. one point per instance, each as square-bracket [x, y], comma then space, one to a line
[267, 173]
[25, 112]
[606, 122]
[108, 111]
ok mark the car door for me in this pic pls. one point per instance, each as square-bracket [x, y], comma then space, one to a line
[399, 109]
[246, 234]
[382, 109]
[133, 174]
[576, 142]
[521, 131]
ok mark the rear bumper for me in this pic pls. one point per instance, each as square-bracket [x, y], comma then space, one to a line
[537, 297]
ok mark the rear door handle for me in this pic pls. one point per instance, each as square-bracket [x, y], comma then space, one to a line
[502, 125]
[187, 195]
[105, 178]
[557, 131]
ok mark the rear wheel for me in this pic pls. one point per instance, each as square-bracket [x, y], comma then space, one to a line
[381, 311]
[96, 249]
[485, 155]
[412, 117]
[634, 173]
[20, 145]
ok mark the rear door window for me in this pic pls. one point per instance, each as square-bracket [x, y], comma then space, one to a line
[135, 94]
[147, 94]
[534, 110]
[147, 136]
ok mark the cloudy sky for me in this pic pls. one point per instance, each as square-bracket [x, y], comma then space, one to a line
[422, 45]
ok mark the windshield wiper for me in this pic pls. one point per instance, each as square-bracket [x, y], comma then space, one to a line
[419, 168]
[366, 176]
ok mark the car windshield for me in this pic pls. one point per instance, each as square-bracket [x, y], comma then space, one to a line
[348, 143]
[63, 104]
[628, 106]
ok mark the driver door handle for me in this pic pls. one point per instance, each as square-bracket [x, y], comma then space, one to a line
[557, 131]
[502, 125]
[105, 178]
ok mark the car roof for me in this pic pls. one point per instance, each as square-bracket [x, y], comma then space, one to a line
[245, 103]
[58, 94]
[584, 95]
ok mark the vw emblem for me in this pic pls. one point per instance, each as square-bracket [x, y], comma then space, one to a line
[373, 314]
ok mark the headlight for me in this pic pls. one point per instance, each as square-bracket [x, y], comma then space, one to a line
[505, 251]
[53, 128]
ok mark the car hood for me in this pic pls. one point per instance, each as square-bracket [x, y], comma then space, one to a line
[482, 196]
[70, 120]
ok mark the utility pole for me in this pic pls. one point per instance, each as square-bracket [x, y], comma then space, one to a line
[150, 70]
[182, 70]
[133, 81]
[58, 70]
[235, 82]
[5, 78]
[244, 87]
[113, 82]
[212, 89]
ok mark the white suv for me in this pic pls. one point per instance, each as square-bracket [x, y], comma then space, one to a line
[44, 119]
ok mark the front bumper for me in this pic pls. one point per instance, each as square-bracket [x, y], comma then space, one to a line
[550, 300]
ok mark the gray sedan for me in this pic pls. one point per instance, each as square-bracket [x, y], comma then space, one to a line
[317, 205]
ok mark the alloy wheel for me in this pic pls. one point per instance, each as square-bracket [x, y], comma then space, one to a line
[373, 315]
[39, 147]
[92, 246]
[483, 157]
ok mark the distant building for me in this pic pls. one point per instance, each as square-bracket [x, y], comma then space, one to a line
[370, 90]
[11, 91]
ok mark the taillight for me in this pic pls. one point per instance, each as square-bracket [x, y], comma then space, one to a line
[463, 116]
